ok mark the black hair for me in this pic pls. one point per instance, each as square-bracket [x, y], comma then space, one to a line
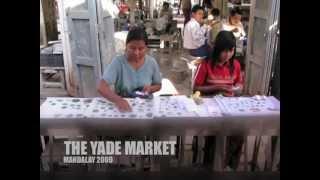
[215, 12]
[225, 40]
[235, 11]
[166, 4]
[207, 3]
[196, 8]
[137, 33]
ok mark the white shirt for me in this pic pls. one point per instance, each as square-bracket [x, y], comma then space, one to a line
[226, 26]
[238, 35]
[194, 36]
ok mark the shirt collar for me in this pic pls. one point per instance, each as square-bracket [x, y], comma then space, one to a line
[195, 20]
[224, 64]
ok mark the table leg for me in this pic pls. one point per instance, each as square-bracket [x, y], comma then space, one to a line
[276, 156]
[139, 162]
[249, 152]
[186, 151]
[242, 162]
[159, 163]
[63, 81]
[219, 153]
[51, 154]
[200, 155]
[41, 80]
[264, 153]
[268, 152]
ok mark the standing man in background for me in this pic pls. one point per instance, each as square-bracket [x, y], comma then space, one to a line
[186, 9]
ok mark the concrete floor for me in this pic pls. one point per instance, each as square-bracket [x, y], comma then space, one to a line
[174, 69]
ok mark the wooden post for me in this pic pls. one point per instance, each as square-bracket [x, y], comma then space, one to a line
[152, 7]
[43, 34]
[50, 20]
[70, 82]
[223, 6]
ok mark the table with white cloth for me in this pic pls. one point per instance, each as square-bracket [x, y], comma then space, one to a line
[162, 115]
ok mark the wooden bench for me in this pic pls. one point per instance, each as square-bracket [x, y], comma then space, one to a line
[52, 70]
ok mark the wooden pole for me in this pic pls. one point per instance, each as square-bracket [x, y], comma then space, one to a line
[50, 20]
[43, 34]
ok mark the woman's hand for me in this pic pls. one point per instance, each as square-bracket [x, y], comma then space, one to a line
[237, 89]
[147, 89]
[224, 89]
[151, 88]
[123, 105]
[227, 88]
[235, 30]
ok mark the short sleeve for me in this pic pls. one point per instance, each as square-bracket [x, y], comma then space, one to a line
[242, 30]
[156, 76]
[226, 27]
[201, 74]
[112, 71]
[238, 75]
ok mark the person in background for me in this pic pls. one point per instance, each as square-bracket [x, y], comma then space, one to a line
[130, 72]
[166, 11]
[207, 5]
[123, 8]
[194, 36]
[186, 10]
[216, 25]
[234, 24]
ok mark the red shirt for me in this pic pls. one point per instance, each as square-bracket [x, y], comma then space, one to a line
[219, 75]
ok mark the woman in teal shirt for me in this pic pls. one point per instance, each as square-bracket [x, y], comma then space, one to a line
[131, 71]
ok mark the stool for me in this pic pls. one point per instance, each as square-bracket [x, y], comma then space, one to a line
[52, 70]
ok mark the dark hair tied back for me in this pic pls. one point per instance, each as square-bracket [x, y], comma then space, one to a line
[137, 33]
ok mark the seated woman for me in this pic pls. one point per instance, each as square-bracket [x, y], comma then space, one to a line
[166, 11]
[130, 72]
[234, 23]
[220, 74]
